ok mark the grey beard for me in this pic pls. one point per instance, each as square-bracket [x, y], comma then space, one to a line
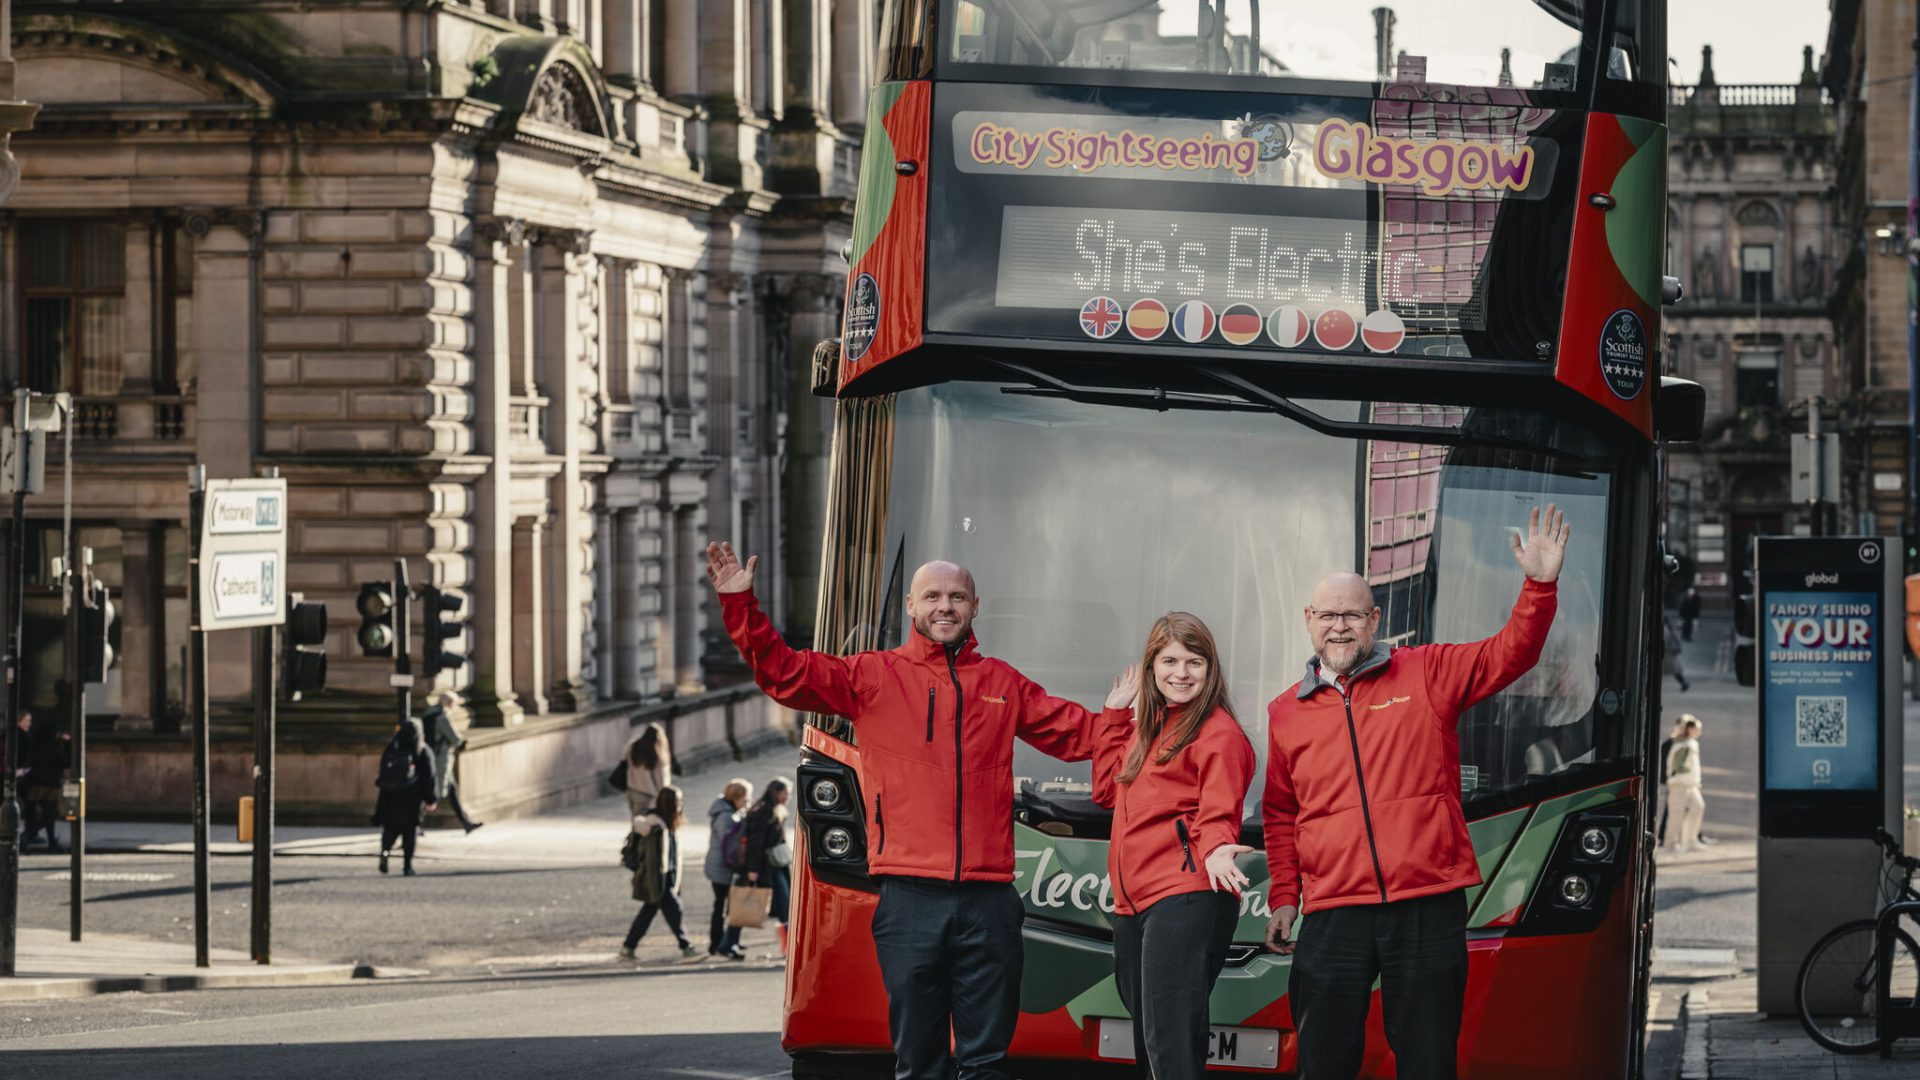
[1328, 665]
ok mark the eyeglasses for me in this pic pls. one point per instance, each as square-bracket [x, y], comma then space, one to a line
[1331, 618]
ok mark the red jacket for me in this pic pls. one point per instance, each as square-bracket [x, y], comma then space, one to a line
[936, 740]
[1171, 817]
[1363, 790]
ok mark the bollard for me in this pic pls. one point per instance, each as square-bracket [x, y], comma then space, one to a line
[246, 819]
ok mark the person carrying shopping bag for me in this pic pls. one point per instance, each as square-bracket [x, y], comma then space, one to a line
[656, 878]
[1175, 766]
[726, 820]
[767, 855]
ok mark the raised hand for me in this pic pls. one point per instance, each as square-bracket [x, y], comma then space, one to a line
[725, 571]
[1546, 544]
[1222, 874]
[1126, 688]
[1279, 928]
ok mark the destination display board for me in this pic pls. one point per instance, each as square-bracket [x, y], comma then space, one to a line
[1252, 222]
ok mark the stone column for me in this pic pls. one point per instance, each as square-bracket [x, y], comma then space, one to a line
[684, 36]
[603, 608]
[726, 83]
[627, 43]
[626, 605]
[529, 643]
[854, 34]
[491, 698]
[559, 336]
[665, 638]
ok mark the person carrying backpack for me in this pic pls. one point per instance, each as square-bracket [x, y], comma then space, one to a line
[656, 878]
[405, 781]
[725, 848]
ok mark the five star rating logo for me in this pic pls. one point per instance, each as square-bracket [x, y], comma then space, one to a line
[1100, 317]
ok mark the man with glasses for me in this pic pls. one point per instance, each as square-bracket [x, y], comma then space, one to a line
[1363, 821]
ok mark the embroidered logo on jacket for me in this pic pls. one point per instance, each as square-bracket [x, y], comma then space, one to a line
[992, 699]
[1390, 703]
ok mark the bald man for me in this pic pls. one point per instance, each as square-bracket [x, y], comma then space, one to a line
[936, 722]
[1363, 819]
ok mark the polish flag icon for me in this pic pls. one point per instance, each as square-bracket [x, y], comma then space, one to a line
[1289, 327]
[1193, 321]
[1383, 331]
[1335, 329]
[1240, 324]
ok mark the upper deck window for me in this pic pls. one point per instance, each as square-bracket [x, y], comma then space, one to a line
[1526, 44]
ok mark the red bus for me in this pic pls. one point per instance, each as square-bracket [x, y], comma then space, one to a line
[1337, 286]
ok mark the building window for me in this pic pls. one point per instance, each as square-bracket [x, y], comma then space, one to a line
[1756, 378]
[1756, 273]
[74, 280]
[179, 369]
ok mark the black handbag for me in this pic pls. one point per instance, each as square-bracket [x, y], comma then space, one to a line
[617, 779]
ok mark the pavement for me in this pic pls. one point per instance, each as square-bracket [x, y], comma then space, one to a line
[1704, 1022]
[519, 887]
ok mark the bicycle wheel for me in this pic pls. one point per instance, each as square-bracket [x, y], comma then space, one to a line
[1834, 993]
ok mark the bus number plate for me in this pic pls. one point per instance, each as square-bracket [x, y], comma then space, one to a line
[1241, 1048]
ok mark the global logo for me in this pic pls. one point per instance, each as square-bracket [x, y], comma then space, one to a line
[1623, 354]
[863, 317]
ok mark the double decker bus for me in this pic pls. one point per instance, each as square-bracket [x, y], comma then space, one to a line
[1165, 305]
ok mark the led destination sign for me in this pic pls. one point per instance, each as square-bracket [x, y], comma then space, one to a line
[1055, 256]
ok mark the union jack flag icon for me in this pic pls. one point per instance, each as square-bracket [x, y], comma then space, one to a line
[1100, 317]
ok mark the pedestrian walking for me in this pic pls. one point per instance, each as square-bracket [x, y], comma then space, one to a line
[1671, 659]
[1666, 747]
[645, 769]
[445, 741]
[1689, 612]
[1363, 821]
[1683, 786]
[768, 856]
[406, 788]
[48, 755]
[1175, 766]
[726, 821]
[19, 751]
[928, 714]
[656, 880]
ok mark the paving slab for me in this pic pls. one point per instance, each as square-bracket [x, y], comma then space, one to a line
[50, 967]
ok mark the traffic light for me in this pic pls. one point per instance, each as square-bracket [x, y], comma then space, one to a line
[304, 656]
[99, 633]
[1744, 667]
[376, 619]
[443, 625]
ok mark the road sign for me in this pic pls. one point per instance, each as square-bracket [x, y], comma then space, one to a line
[243, 554]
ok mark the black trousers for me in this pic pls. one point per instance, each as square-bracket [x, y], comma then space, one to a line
[407, 836]
[668, 906]
[950, 958]
[720, 936]
[1417, 949]
[453, 804]
[1165, 962]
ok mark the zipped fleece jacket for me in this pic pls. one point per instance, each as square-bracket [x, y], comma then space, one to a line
[1362, 802]
[936, 729]
[1171, 817]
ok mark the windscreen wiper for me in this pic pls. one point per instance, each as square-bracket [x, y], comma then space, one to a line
[1251, 397]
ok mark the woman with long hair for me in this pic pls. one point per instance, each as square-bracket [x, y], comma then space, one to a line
[667, 815]
[1686, 804]
[645, 769]
[768, 855]
[1175, 766]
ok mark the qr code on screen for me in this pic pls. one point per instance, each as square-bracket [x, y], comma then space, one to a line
[1820, 721]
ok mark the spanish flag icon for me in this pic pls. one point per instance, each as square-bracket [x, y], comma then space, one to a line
[1147, 319]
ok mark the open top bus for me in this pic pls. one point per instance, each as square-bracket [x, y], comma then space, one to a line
[1163, 305]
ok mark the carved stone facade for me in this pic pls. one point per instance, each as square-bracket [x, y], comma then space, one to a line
[1750, 236]
[521, 291]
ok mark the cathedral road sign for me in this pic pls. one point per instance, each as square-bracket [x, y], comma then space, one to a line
[243, 554]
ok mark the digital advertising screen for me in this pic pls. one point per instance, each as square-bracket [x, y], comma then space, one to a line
[1826, 642]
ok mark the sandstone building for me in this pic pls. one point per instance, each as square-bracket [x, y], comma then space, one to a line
[521, 291]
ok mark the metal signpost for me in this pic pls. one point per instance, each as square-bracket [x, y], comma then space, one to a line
[1828, 662]
[236, 579]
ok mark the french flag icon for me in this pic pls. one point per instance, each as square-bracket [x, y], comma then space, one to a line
[1193, 321]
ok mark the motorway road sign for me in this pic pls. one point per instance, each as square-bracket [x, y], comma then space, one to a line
[243, 554]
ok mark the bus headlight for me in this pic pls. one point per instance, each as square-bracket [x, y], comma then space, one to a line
[825, 794]
[836, 841]
[1575, 890]
[1595, 843]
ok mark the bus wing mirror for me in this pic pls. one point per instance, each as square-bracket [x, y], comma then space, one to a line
[1670, 290]
[1680, 412]
[826, 368]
